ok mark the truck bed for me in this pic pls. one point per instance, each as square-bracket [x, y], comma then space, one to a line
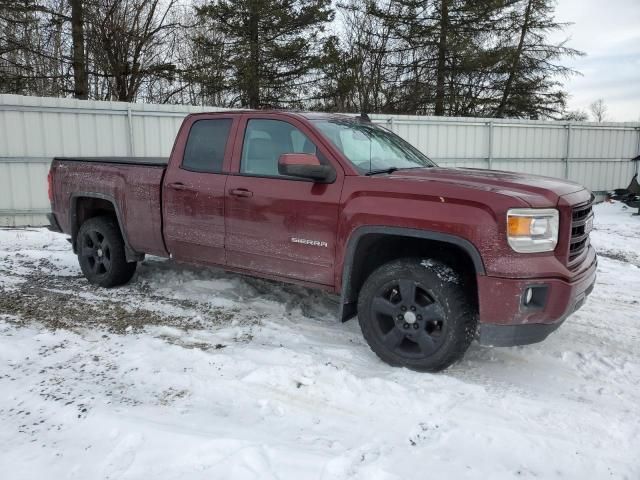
[132, 185]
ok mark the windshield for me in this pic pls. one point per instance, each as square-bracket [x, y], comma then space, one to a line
[371, 148]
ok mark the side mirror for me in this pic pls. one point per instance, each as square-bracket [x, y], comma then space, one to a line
[305, 165]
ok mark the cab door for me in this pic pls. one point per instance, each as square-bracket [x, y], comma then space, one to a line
[278, 225]
[193, 194]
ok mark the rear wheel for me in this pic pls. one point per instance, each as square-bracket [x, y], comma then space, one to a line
[414, 313]
[101, 253]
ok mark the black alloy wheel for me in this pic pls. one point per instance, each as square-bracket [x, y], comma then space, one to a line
[416, 313]
[101, 253]
[95, 248]
[410, 321]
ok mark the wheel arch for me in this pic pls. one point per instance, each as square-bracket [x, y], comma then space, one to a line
[85, 205]
[357, 264]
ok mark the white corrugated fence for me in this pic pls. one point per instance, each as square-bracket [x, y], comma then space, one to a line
[33, 130]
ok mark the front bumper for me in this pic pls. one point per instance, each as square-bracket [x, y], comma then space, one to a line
[506, 321]
[512, 335]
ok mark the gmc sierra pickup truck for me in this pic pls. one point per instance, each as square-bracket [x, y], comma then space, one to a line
[427, 258]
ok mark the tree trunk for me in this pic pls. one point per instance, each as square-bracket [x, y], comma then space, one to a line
[80, 78]
[253, 77]
[516, 60]
[442, 57]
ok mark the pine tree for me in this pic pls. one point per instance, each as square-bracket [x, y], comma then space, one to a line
[272, 46]
[481, 57]
[437, 45]
[529, 74]
[337, 83]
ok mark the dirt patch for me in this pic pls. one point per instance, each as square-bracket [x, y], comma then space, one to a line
[59, 310]
[70, 302]
[41, 284]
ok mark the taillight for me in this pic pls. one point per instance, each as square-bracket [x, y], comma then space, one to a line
[50, 189]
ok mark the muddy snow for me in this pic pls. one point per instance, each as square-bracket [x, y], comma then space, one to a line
[196, 373]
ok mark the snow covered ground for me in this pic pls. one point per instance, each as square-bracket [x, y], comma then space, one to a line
[195, 373]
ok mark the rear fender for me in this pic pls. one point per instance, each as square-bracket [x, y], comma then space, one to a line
[131, 254]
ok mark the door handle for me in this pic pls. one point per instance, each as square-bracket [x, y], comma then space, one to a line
[179, 186]
[241, 192]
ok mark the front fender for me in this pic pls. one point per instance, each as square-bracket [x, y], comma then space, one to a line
[348, 295]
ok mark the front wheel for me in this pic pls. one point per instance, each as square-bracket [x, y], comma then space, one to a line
[101, 253]
[414, 313]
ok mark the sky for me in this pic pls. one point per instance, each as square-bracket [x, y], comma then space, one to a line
[608, 31]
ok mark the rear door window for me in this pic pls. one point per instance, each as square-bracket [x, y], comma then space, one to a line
[206, 145]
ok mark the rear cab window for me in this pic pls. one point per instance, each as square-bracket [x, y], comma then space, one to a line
[206, 144]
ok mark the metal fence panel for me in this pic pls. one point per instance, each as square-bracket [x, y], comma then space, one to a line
[33, 130]
[23, 192]
[601, 174]
[528, 142]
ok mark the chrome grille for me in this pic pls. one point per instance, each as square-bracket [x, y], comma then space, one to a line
[581, 223]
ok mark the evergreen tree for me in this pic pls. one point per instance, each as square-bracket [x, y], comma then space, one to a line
[529, 73]
[337, 82]
[440, 45]
[481, 57]
[272, 46]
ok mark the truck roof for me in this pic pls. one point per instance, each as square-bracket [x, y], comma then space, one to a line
[295, 113]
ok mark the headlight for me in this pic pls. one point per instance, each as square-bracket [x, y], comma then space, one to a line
[531, 230]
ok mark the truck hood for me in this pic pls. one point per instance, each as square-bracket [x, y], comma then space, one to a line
[537, 191]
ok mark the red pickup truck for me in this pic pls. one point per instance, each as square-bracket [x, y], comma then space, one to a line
[428, 258]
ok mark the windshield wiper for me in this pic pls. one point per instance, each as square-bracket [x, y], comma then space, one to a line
[381, 170]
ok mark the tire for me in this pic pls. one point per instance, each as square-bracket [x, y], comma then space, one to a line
[101, 253]
[429, 328]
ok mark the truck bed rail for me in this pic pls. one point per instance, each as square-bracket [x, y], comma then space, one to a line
[147, 161]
